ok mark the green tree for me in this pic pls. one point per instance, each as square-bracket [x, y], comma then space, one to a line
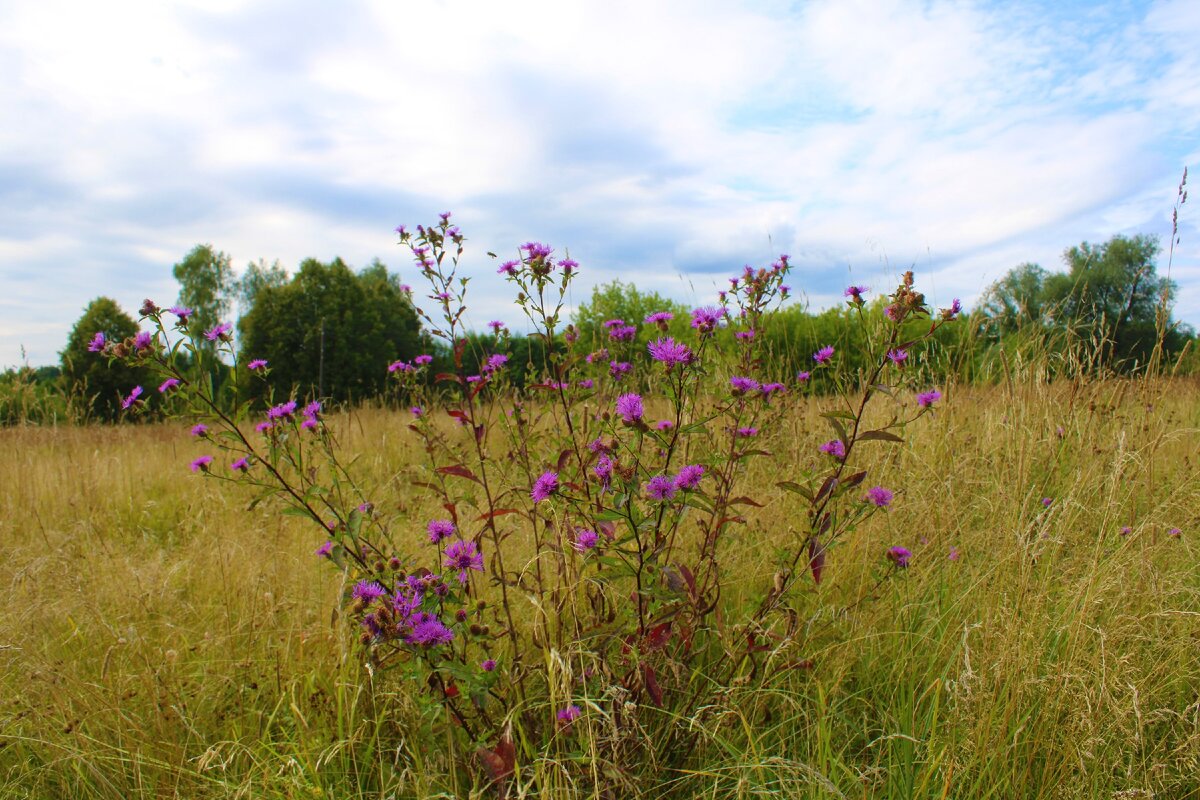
[205, 284]
[331, 332]
[1016, 300]
[88, 375]
[258, 276]
[617, 300]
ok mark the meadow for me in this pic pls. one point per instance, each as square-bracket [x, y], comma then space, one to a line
[160, 639]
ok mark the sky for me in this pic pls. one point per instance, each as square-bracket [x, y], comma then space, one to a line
[661, 143]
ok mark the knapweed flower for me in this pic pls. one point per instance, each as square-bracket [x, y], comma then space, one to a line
[309, 424]
[325, 550]
[1047, 501]
[368, 591]
[1126, 530]
[769, 389]
[1175, 533]
[618, 369]
[241, 465]
[824, 354]
[496, 326]
[629, 407]
[183, 312]
[313, 409]
[879, 496]
[488, 665]
[898, 357]
[201, 463]
[423, 359]
[609, 324]
[586, 383]
[219, 331]
[604, 470]
[537, 250]
[462, 555]
[746, 335]
[142, 340]
[899, 556]
[803, 376]
[264, 426]
[660, 487]
[569, 714]
[132, 398]
[953, 554]
[855, 293]
[705, 320]
[742, 385]
[400, 366]
[508, 268]
[664, 425]
[835, 448]
[200, 429]
[440, 529]
[495, 362]
[660, 318]
[168, 385]
[544, 486]
[429, 630]
[585, 539]
[689, 477]
[97, 342]
[669, 352]
[416, 411]
[282, 411]
[746, 432]
[622, 333]
[926, 399]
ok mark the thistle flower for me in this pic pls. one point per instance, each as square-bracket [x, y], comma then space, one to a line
[219, 331]
[168, 385]
[618, 369]
[400, 366]
[569, 714]
[835, 448]
[309, 424]
[495, 362]
[660, 487]
[416, 411]
[423, 359]
[669, 352]
[263, 427]
[325, 550]
[926, 399]
[183, 312]
[586, 383]
[97, 343]
[1174, 533]
[368, 591]
[463, 555]
[142, 340]
[132, 398]
[313, 409]
[856, 292]
[257, 365]
[604, 470]
[880, 496]
[241, 465]
[899, 556]
[282, 411]
[429, 630]
[770, 388]
[200, 430]
[660, 318]
[824, 354]
[629, 407]
[742, 385]
[488, 665]
[689, 477]
[496, 326]
[664, 425]
[1047, 501]
[201, 463]
[746, 432]
[544, 486]
[440, 529]
[898, 356]
[508, 268]
[705, 320]
[803, 376]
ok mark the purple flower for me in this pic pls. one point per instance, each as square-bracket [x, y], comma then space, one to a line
[802, 376]
[325, 550]
[488, 665]
[585, 539]
[660, 487]
[898, 357]
[423, 359]
[770, 388]
[689, 477]
[496, 326]
[660, 318]
[618, 369]
[1175, 533]
[745, 335]
[824, 354]
[1126, 530]
[132, 398]
[670, 352]
[926, 399]
[263, 427]
[586, 383]
[97, 343]
[508, 268]
[440, 529]
[664, 425]
[445, 215]
[544, 486]
[604, 470]
[747, 432]
[568, 265]
[629, 407]
[200, 430]
[953, 554]
[536, 250]
[142, 340]
[569, 715]
[899, 556]
[835, 448]
[1047, 501]
[495, 362]
[462, 555]
[183, 312]
[241, 464]
[368, 591]
[257, 364]
[219, 331]
[742, 385]
[309, 424]
[622, 333]
[416, 411]
[880, 496]
[282, 411]
[429, 630]
[400, 366]
[168, 385]
[856, 292]
[201, 463]
[598, 445]
[313, 409]
[705, 320]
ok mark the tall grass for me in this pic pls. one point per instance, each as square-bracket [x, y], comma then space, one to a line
[158, 640]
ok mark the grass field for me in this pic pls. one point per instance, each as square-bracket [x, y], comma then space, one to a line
[157, 639]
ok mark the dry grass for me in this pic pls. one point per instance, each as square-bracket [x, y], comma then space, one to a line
[159, 640]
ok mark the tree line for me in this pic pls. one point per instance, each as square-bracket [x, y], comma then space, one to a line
[329, 330]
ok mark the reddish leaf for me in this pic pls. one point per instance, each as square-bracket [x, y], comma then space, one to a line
[479, 433]
[854, 480]
[458, 414]
[562, 460]
[816, 559]
[746, 501]
[453, 510]
[826, 488]
[499, 512]
[658, 636]
[446, 376]
[879, 436]
[651, 683]
[608, 528]
[460, 471]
